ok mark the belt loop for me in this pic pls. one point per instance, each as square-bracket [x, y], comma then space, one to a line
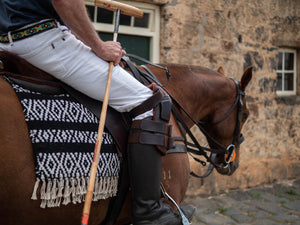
[63, 28]
[10, 38]
[59, 26]
[58, 23]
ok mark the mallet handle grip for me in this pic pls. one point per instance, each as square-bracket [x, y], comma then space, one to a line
[124, 8]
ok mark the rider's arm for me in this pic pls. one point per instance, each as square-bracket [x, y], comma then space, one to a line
[74, 15]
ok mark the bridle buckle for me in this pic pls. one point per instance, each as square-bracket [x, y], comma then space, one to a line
[231, 150]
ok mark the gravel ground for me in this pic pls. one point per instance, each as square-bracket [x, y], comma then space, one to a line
[273, 204]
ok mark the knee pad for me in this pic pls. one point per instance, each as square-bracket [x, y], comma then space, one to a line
[153, 131]
[160, 102]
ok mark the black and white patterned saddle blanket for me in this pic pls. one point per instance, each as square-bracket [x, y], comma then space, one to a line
[63, 134]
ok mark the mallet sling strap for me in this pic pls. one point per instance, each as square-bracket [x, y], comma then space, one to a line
[28, 31]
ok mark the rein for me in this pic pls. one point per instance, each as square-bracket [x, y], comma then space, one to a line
[200, 150]
[194, 147]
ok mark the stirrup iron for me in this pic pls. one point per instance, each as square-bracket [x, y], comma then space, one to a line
[184, 220]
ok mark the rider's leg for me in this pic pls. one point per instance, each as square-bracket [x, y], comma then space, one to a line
[148, 140]
[60, 54]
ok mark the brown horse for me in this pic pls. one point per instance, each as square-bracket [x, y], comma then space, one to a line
[205, 95]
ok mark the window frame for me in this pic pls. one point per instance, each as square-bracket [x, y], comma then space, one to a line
[282, 71]
[153, 30]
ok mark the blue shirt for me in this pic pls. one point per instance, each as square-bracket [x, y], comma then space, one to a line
[18, 13]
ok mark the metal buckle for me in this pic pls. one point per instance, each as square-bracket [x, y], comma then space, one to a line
[231, 150]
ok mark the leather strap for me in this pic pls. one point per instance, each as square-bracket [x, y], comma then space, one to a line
[129, 63]
[147, 105]
[177, 149]
[151, 139]
[133, 69]
[152, 126]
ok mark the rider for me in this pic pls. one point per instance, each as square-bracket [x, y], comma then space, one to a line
[58, 37]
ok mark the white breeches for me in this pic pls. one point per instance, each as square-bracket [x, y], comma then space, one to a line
[61, 54]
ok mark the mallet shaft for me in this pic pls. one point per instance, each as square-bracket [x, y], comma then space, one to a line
[93, 172]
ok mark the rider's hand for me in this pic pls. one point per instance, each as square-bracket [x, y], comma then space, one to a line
[110, 51]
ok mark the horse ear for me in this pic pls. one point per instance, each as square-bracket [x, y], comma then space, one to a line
[221, 71]
[247, 76]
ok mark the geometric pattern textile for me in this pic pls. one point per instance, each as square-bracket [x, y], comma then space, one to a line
[63, 134]
[29, 31]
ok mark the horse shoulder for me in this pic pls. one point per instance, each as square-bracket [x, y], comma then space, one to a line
[11, 114]
[17, 170]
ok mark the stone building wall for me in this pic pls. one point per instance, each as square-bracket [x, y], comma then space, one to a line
[237, 34]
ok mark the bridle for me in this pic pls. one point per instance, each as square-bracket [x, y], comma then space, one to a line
[194, 148]
[237, 137]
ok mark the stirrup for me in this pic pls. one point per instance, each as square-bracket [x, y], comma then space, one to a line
[184, 220]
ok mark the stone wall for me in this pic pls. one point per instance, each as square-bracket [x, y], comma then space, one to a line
[237, 34]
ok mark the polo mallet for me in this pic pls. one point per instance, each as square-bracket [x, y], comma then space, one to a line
[130, 11]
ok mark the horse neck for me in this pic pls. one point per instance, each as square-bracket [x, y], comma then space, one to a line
[201, 92]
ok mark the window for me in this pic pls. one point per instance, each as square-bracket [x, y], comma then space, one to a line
[138, 36]
[286, 72]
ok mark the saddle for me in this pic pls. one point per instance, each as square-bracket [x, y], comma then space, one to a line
[29, 76]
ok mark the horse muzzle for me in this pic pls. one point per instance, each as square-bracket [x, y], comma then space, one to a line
[230, 163]
[226, 164]
[229, 169]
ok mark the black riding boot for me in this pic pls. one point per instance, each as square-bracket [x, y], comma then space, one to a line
[145, 176]
[146, 137]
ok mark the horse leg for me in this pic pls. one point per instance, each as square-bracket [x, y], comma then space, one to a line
[176, 170]
[175, 176]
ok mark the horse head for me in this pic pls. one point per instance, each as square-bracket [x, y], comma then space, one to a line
[214, 103]
[223, 126]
